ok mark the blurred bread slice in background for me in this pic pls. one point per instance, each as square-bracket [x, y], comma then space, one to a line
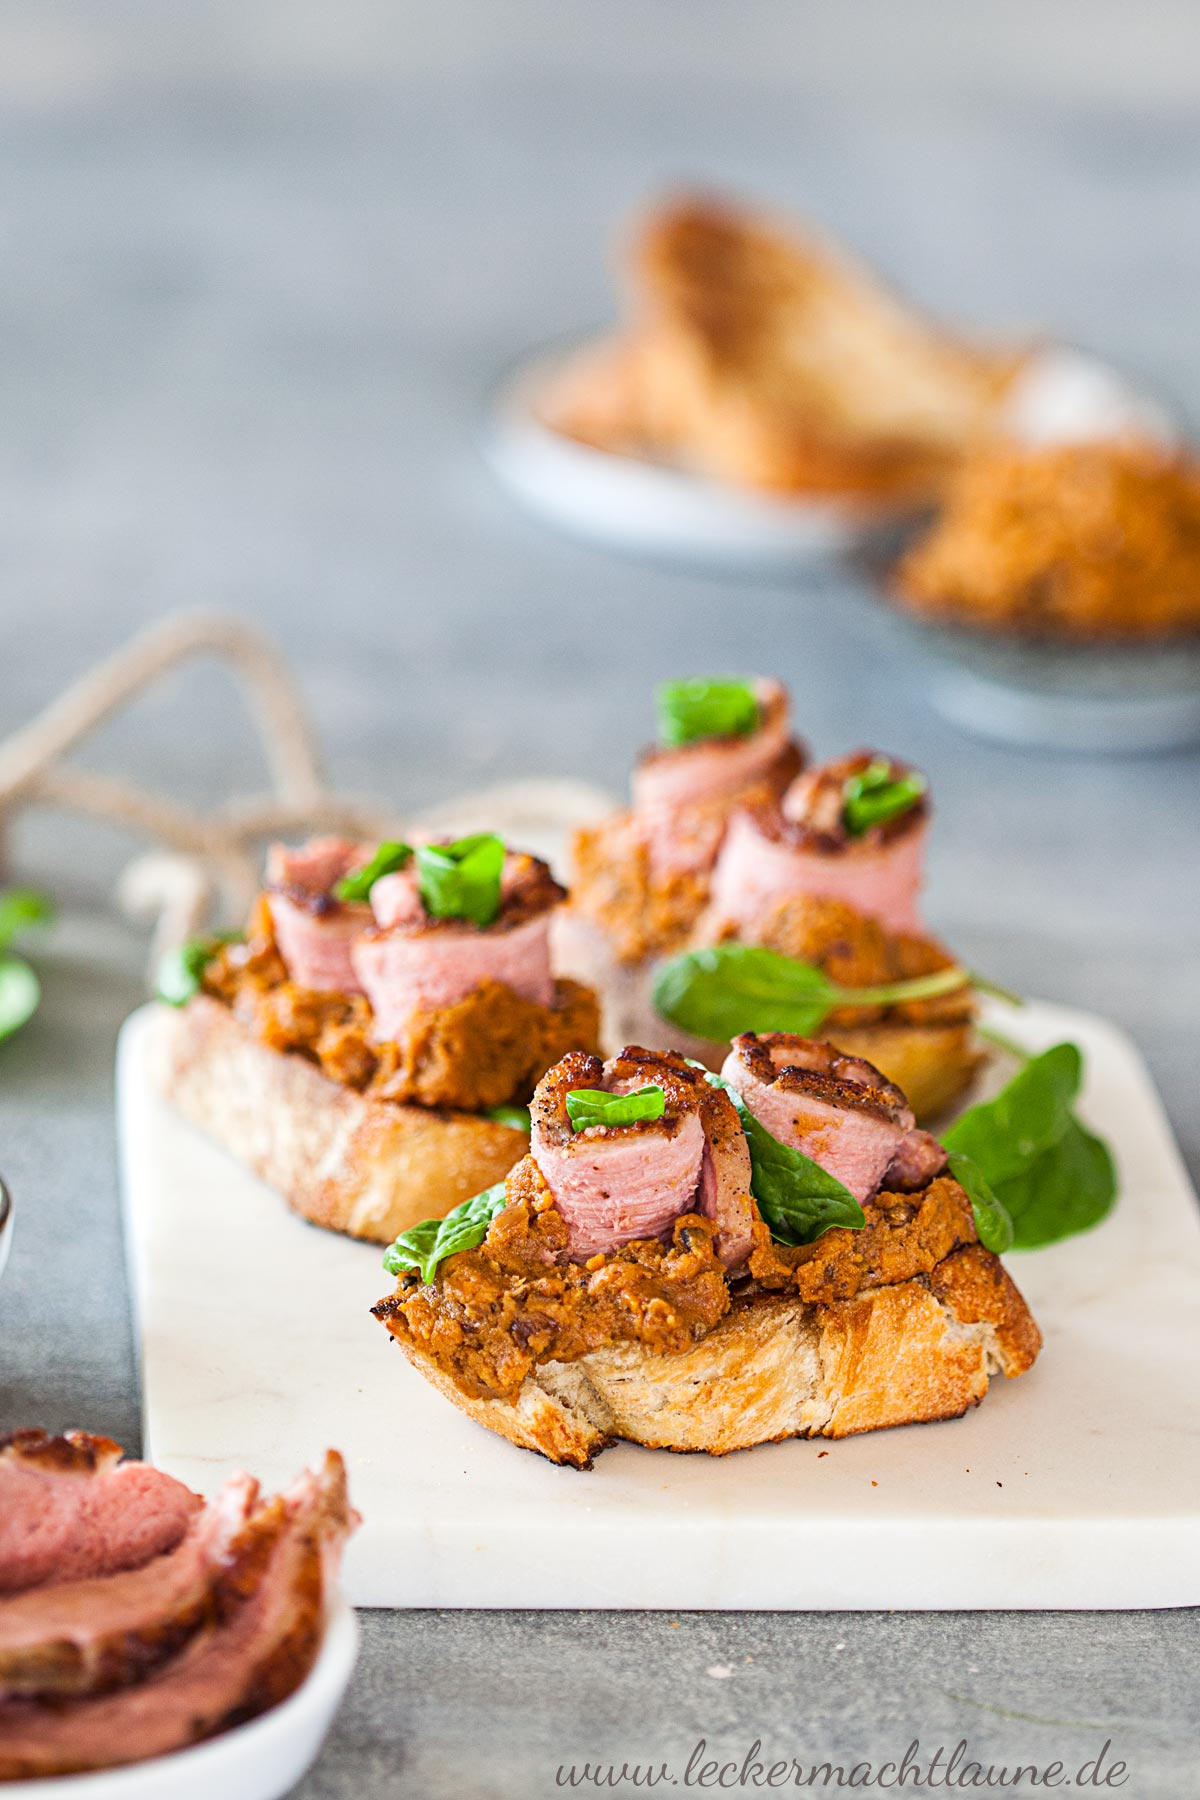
[762, 357]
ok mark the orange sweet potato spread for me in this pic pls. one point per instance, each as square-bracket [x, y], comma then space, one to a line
[491, 1314]
[489, 1049]
[1074, 541]
[856, 951]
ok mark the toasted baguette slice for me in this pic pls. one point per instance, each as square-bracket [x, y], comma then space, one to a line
[367, 1167]
[778, 1367]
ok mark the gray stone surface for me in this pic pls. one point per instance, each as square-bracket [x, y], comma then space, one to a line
[261, 264]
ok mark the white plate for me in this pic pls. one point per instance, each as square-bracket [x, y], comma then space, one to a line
[646, 508]
[650, 509]
[261, 1760]
[1076, 1486]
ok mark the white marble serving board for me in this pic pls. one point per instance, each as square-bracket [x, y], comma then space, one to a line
[1076, 1486]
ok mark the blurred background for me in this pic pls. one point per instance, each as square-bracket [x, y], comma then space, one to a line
[263, 261]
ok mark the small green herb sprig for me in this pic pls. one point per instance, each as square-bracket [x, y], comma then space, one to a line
[593, 1106]
[705, 707]
[877, 794]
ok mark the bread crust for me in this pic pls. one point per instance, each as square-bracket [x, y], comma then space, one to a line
[777, 1367]
[370, 1168]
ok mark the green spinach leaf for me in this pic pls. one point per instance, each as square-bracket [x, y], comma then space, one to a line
[1070, 1187]
[705, 707]
[724, 989]
[20, 992]
[181, 972]
[992, 1221]
[427, 1245]
[1005, 1136]
[515, 1117]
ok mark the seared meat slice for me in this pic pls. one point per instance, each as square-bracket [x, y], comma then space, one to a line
[69, 1507]
[806, 849]
[680, 796]
[82, 1637]
[313, 929]
[837, 1110]
[617, 1183]
[270, 1611]
[412, 964]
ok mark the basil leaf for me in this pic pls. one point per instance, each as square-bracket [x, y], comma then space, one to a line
[717, 992]
[592, 1106]
[357, 885]
[992, 1220]
[515, 1117]
[876, 794]
[19, 909]
[726, 988]
[20, 992]
[798, 1199]
[428, 1244]
[181, 972]
[462, 880]
[1069, 1188]
[1005, 1136]
[705, 708]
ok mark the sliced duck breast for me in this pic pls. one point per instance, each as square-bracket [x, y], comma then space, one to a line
[918, 1159]
[68, 1638]
[837, 1110]
[69, 1508]
[806, 849]
[617, 1183]
[410, 963]
[270, 1614]
[681, 796]
[314, 930]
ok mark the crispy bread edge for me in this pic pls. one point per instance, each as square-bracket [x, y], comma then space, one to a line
[367, 1167]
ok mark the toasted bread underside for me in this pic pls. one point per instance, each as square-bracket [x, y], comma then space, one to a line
[779, 1367]
[368, 1167]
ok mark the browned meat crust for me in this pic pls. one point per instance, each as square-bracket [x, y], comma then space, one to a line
[75, 1453]
[487, 1050]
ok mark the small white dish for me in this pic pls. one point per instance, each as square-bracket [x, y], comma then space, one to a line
[650, 509]
[261, 1760]
[645, 508]
[6, 1225]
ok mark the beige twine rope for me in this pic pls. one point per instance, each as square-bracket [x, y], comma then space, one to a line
[204, 860]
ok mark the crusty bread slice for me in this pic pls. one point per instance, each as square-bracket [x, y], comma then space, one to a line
[778, 1367]
[367, 1167]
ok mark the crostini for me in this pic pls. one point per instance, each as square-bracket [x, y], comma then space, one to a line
[641, 879]
[369, 1044]
[817, 870]
[693, 1261]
